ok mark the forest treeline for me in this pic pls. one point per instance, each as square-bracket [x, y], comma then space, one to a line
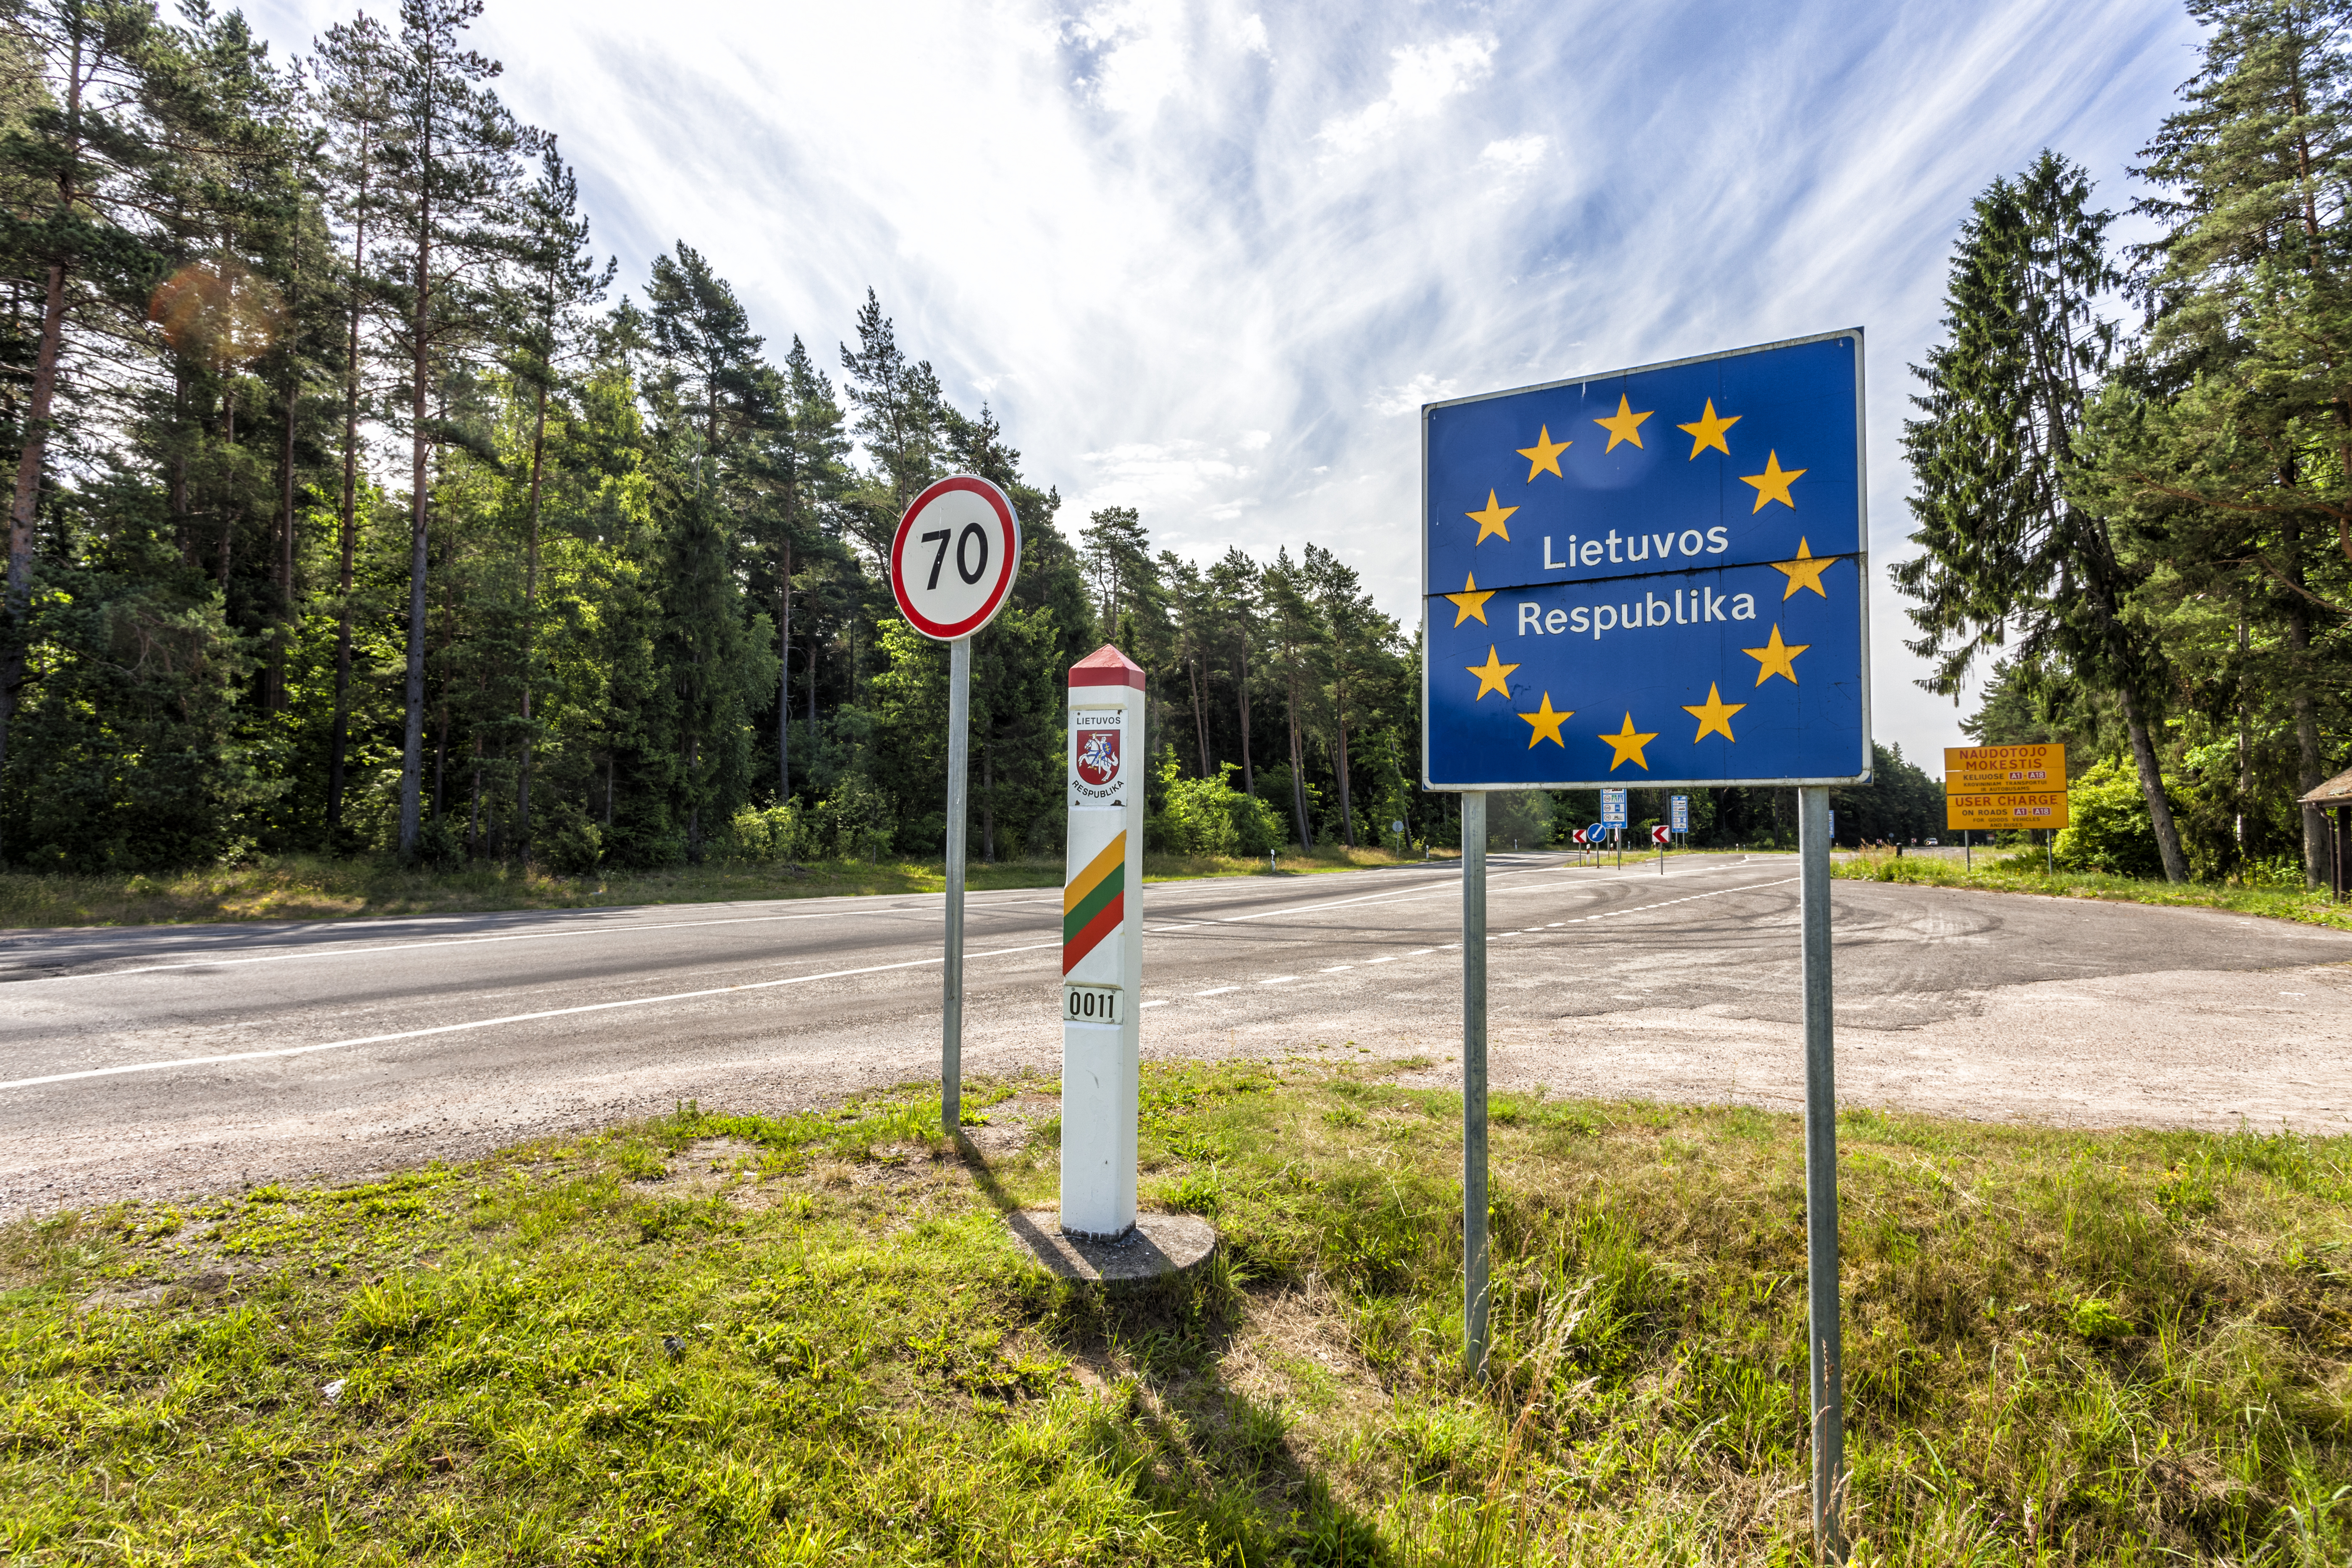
[355, 511]
[2130, 463]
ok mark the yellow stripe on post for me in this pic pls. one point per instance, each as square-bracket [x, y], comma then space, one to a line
[1113, 856]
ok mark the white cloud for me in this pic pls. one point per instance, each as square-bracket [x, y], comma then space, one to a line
[1393, 400]
[1515, 154]
[1142, 58]
[1420, 78]
[1124, 224]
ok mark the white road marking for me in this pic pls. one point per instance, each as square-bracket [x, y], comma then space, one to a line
[1161, 1003]
[1217, 991]
[1384, 958]
[509, 1018]
[1421, 952]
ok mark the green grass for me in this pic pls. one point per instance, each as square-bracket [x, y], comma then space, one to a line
[2021, 872]
[307, 886]
[718, 1338]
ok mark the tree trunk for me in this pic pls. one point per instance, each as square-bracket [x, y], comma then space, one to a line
[275, 700]
[1200, 713]
[784, 680]
[2310, 773]
[530, 621]
[341, 739]
[1241, 690]
[228, 507]
[17, 630]
[412, 754]
[2151, 785]
[1298, 779]
[16, 605]
[1346, 812]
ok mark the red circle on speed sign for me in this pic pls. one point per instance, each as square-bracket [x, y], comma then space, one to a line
[954, 557]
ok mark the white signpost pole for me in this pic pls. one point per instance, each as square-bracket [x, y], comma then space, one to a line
[953, 563]
[1102, 945]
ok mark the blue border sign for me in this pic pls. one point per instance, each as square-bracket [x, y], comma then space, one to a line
[1655, 576]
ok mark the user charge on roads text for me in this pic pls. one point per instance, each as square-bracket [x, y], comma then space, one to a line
[1652, 576]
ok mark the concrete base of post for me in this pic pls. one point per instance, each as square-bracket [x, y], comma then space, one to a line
[1157, 1247]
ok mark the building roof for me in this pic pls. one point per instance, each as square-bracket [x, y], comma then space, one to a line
[2337, 791]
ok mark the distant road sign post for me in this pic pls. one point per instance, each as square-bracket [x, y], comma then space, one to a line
[1680, 814]
[952, 562]
[2003, 788]
[1656, 575]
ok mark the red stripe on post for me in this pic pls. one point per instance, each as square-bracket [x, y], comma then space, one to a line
[1091, 937]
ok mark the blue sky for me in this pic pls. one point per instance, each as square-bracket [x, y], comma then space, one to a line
[1207, 260]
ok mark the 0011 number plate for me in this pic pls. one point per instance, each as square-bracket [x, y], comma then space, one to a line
[1091, 1005]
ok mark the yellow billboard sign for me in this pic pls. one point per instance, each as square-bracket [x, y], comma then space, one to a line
[2005, 811]
[2004, 770]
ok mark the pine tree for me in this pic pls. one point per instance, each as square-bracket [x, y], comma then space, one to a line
[353, 62]
[557, 281]
[78, 162]
[2007, 553]
[1297, 640]
[449, 189]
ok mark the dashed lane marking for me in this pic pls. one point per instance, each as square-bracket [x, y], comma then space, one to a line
[509, 1018]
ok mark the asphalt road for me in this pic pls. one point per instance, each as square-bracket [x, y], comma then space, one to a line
[160, 1060]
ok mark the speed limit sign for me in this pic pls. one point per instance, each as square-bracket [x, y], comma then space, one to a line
[955, 556]
[951, 569]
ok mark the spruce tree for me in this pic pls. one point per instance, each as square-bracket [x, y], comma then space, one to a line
[2009, 557]
[2232, 459]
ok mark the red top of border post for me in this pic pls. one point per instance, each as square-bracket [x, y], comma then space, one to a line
[1107, 667]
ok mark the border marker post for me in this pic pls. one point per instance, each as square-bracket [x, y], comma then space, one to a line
[948, 593]
[1102, 945]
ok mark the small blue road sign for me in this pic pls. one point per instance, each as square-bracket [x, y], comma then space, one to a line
[1655, 574]
[1595, 834]
[1681, 814]
[1612, 808]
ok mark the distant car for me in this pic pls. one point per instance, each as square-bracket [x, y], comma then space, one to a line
[1931, 844]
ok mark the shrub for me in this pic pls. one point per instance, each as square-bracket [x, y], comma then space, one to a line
[1209, 817]
[572, 846]
[768, 835]
[857, 821]
[2109, 827]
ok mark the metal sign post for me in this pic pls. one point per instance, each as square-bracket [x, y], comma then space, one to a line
[1820, 1171]
[953, 563]
[1102, 946]
[1675, 561]
[1474, 1081]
